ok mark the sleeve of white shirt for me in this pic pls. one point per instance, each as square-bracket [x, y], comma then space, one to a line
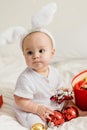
[24, 88]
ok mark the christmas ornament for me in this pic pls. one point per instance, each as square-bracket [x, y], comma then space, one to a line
[79, 84]
[38, 126]
[59, 117]
[56, 119]
[1, 100]
[70, 113]
[61, 96]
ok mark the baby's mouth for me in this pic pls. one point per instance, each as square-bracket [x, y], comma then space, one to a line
[36, 62]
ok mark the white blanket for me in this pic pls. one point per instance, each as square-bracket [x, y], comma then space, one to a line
[11, 65]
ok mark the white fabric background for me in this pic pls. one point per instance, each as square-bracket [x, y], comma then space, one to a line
[69, 25]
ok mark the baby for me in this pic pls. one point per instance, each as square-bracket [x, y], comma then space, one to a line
[39, 81]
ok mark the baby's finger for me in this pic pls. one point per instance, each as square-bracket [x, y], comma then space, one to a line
[49, 111]
[44, 117]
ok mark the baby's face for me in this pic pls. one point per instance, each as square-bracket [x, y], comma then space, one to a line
[38, 51]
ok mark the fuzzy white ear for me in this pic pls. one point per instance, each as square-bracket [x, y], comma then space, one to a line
[44, 16]
[11, 35]
[39, 20]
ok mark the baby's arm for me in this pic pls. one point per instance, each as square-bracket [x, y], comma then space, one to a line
[32, 107]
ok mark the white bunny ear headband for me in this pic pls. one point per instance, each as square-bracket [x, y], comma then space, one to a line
[38, 21]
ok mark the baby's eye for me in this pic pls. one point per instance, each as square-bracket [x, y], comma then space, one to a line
[41, 50]
[29, 52]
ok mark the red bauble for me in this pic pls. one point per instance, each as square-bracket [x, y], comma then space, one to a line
[1, 100]
[56, 119]
[70, 113]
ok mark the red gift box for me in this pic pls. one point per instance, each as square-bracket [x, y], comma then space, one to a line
[1, 100]
[79, 84]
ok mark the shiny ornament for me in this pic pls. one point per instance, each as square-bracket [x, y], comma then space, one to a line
[38, 126]
[61, 95]
[56, 119]
[70, 113]
[1, 100]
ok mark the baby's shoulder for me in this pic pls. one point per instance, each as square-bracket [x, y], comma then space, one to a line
[25, 73]
[54, 70]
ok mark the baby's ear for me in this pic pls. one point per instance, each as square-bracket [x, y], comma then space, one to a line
[53, 52]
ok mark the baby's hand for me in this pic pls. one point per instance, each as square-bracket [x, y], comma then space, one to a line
[81, 112]
[44, 112]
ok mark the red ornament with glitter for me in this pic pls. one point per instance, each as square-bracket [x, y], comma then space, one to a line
[56, 119]
[70, 113]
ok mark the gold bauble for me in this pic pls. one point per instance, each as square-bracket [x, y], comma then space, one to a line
[38, 126]
[85, 79]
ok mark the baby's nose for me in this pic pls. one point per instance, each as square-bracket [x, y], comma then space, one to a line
[35, 55]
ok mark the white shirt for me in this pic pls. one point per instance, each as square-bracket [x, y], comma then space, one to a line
[39, 88]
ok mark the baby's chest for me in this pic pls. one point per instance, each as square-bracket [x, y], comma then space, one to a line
[46, 87]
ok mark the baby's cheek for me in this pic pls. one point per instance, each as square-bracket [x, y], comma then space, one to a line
[47, 62]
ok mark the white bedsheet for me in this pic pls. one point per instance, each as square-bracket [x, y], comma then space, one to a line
[11, 65]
